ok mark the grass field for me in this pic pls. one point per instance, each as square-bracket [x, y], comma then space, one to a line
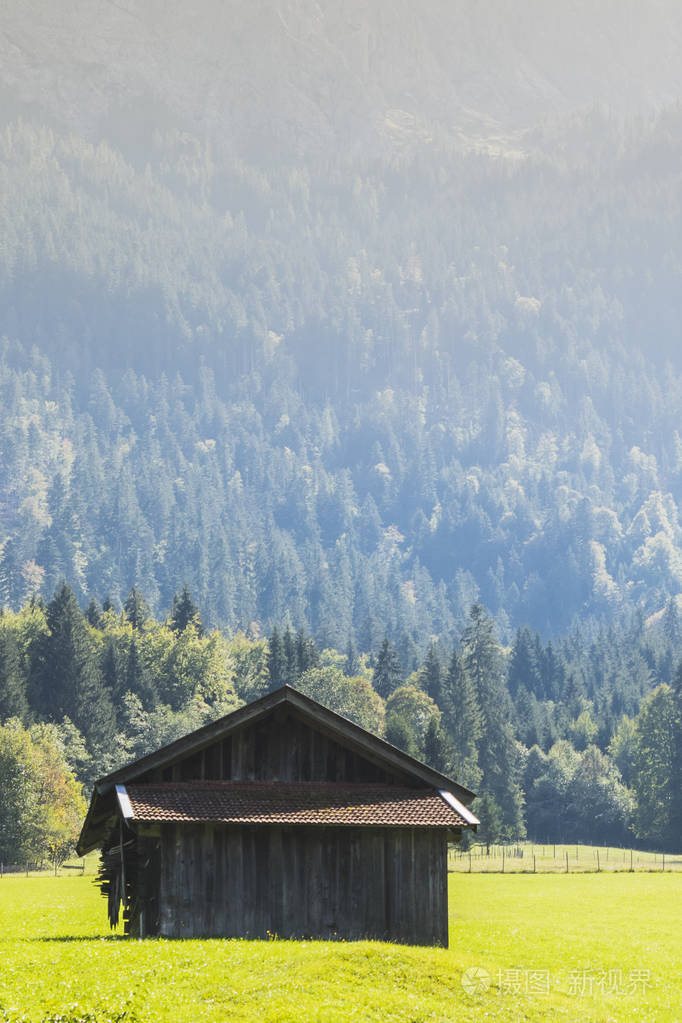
[577, 947]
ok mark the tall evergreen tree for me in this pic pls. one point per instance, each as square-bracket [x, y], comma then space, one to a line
[430, 674]
[137, 610]
[523, 666]
[290, 658]
[277, 662]
[13, 696]
[672, 627]
[137, 680]
[351, 663]
[437, 747]
[184, 612]
[498, 756]
[306, 653]
[675, 832]
[387, 674]
[462, 721]
[69, 679]
[93, 614]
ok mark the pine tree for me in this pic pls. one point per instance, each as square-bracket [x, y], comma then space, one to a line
[462, 720]
[307, 656]
[523, 666]
[277, 663]
[387, 674]
[184, 613]
[437, 747]
[13, 697]
[93, 614]
[430, 674]
[137, 680]
[69, 679]
[497, 751]
[488, 811]
[675, 830]
[672, 628]
[137, 610]
[290, 658]
[351, 663]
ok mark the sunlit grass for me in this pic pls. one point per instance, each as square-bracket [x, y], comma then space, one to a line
[548, 944]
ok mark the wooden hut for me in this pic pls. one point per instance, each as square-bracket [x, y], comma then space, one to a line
[282, 818]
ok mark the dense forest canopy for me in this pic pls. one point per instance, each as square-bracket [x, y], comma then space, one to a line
[359, 402]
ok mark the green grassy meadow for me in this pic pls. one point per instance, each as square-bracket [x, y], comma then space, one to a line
[582, 947]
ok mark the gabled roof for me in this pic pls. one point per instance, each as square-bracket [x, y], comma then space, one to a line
[342, 729]
[104, 802]
[268, 802]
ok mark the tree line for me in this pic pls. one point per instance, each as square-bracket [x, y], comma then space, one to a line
[559, 740]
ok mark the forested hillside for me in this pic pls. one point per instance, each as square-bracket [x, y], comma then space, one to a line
[359, 400]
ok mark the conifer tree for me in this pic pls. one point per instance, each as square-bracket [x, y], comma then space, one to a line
[497, 752]
[430, 674]
[290, 658]
[672, 628]
[93, 614]
[69, 679]
[387, 674]
[13, 698]
[675, 831]
[306, 653]
[351, 663]
[184, 613]
[437, 747]
[462, 720]
[137, 680]
[137, 610]
[276, 661]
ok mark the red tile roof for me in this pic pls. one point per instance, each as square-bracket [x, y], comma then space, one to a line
[291, 803]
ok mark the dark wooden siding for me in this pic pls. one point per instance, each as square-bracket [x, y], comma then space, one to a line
[281, 747]
[220, 880]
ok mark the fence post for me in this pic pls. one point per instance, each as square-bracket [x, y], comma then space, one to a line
[598, 868]
[503, 859]
[631, 861]
[567, 861]
[533, 862]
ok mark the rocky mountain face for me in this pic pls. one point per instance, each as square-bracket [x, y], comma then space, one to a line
[316, 76]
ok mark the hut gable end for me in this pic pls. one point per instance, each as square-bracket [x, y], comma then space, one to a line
[282, 746]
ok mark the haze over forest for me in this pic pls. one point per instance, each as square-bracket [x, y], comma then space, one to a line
[345, 315]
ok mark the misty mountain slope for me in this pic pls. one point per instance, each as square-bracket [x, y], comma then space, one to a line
[358, 405]
[305, 76]
[318, 355]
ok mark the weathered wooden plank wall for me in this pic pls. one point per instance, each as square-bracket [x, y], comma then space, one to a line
[280, 747]
[351, 883]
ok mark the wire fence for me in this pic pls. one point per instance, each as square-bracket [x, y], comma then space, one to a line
[528, 858]
[72, 868]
